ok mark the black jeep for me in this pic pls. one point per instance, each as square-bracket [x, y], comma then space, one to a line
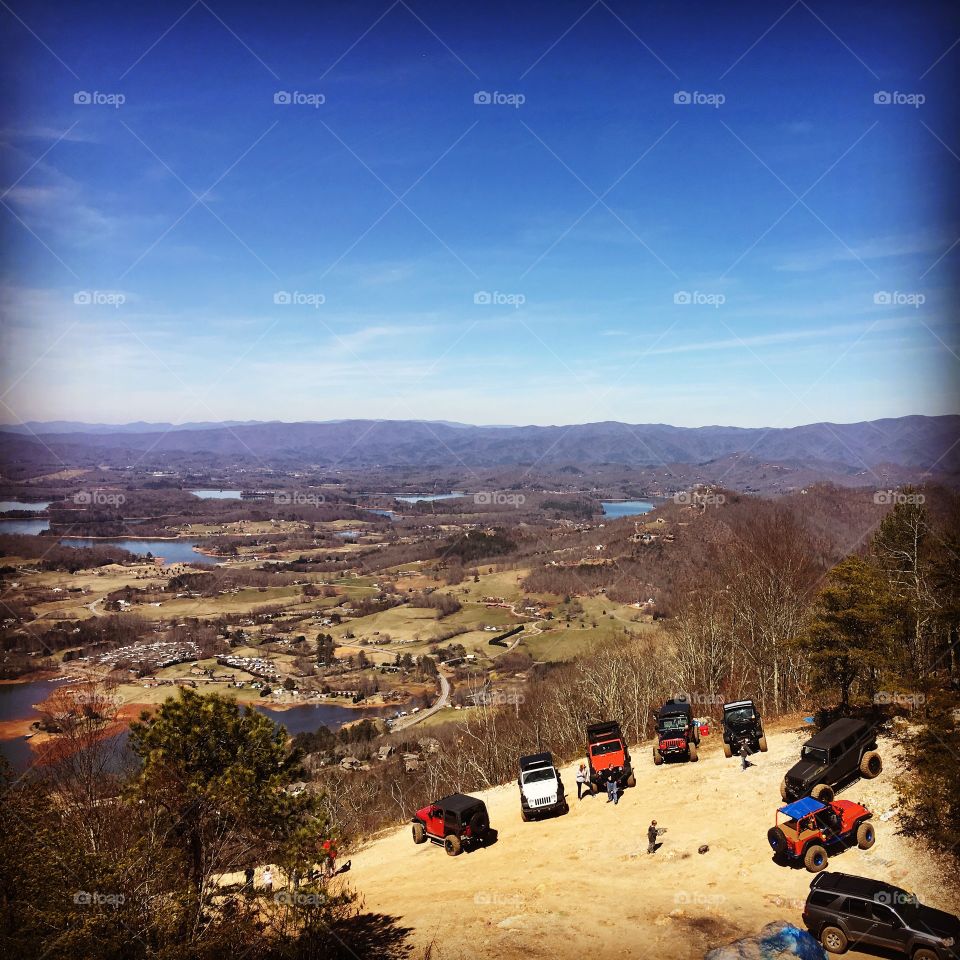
[831, 759]
[742, 726]
[844, 911]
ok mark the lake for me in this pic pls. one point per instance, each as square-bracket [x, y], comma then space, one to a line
[625, 508]
[34, 507]
[31, 527]
[172, 551]
[16, 703]
[218, 494]
[309, 716]
[428, 497]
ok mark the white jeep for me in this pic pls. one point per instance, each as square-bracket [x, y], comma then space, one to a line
[541, 789]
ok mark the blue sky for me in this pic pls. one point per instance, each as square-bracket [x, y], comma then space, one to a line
[779, 250]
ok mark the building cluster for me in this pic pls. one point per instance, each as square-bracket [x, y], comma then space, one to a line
[152, 656]
[258, 666]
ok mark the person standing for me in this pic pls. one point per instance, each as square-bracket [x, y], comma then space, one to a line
[583, 780]
[330, 858]
[652, 834]
[612, 787]
[248, 881]
[744, 753]
[268, 880]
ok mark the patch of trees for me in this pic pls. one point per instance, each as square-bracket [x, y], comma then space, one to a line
[443, 603]
[477, 545]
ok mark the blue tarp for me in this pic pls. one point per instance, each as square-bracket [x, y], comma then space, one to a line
[801, 808]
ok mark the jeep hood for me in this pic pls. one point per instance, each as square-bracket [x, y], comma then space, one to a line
[806, 771]
[540, 790]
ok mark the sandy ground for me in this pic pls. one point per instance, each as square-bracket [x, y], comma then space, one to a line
[584, 882]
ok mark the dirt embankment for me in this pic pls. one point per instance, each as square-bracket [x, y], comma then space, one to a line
[584, 885]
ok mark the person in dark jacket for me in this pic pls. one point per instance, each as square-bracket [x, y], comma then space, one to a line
[652, 834]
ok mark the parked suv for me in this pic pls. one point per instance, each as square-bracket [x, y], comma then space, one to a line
[541, 789]
[844, 911]
[607, 754]
[809, 829]
[678, 734]
[831, 758]
[457, 822]
[742, 725]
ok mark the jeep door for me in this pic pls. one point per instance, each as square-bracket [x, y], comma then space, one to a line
[848, 759]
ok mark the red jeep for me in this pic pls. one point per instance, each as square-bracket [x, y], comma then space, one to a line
[457, 822]
[811, 827]
[607, 754]
[678, 733]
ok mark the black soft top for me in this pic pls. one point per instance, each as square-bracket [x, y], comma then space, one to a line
[535, 760]
[739, 704]
[459, 803]
[608, 730]
[837, 731]
[674, 708]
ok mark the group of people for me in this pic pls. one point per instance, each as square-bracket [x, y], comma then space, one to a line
[613, 795]
[328, 867]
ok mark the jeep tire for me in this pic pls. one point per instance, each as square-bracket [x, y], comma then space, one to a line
[762, 743]
[594, 788]
[815, 858]
[866, 835]
[524, 816]
[657, 759]
[727, 750]
[924, 954]
[692, 752]
[783, 789]
[777, 839]
[631, 781]
[479, 825]
[452, 845]
[834, 940]
[419, 833]
[871, 765]
[822, 792]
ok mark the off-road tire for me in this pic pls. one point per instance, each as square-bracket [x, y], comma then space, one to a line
[871, 765]
[923, 954]
[834, 940]
[564, 808]
[479, 825]
[815, 858]
[594, 789]
[657, 759]
[692, 752]
[822, 792]
[866, 835]
[727, 750]
[762, 743]
[452, 845]
[631, 781]
[777, 840]
[419, 833]
[524, 816]
[783, 790]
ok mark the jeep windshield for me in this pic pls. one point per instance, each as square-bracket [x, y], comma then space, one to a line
[814, 754]
[611, 746]
[675, 724]
[740, 715]
[537, 776]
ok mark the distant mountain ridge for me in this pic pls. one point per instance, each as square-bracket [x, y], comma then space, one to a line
[918, 442]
